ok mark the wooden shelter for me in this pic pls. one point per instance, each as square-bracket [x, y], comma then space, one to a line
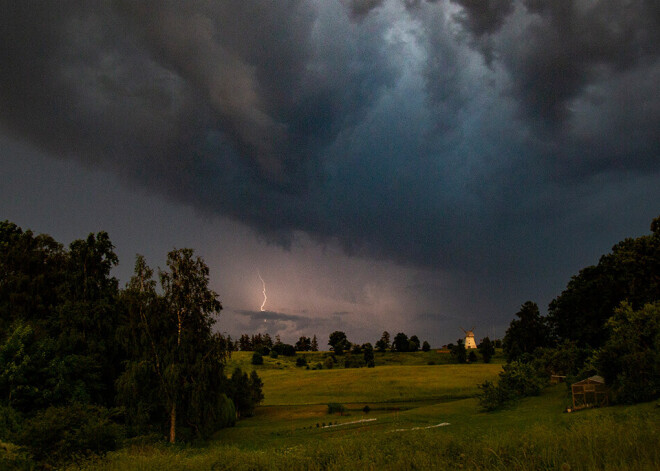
[590, 392]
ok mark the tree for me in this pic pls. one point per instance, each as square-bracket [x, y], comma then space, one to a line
[400, 343]
[314, 347]
[368, 352]
[426, 346]
[472, 357]
[384, 342]
[338, 341]
[459, 352]
[413, 344]
[257, 359]
[486, 349]
[175, 343]
[630, 272]
[304, 344]
[527, 333]
[246, 392]
[630, 359]
[244, 343]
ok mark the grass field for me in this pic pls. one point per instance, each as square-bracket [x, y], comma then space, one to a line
[422, 417]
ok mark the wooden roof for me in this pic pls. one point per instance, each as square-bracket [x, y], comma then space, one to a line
[591, 380]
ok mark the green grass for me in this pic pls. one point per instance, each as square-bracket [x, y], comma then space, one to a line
[288, 433]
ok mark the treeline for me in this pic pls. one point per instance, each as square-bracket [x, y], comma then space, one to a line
[83, 359]
[606, 322]
[263, 343]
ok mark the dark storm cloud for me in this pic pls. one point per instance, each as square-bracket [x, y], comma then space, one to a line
[483, 16]
[569, 46]
[384, 134]
[278, 322]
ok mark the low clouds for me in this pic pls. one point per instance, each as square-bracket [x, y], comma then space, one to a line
[453, 135]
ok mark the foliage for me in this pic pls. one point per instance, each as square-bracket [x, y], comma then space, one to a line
[257, 359]
[246, 392]
[630, 359]
[527, 333]
[400, 343]
[426, 346]
[413, 344]
[301, 361]
[57, 434]
[339, 342]
[487, 349]
[368, 352]
[304, 344]
[472, 357]
[10, 422]
[334, 407]
[459, 353]
[630, 272]
[566, 359]
[383, 343]
[176, 365]
[517, 380]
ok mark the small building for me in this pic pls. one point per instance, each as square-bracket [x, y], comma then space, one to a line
[590, 392]
[469, 338]
[556, 379]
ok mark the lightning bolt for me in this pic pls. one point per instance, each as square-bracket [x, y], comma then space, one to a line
[264, 291]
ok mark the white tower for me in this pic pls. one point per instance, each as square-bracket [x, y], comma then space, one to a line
[469, 338]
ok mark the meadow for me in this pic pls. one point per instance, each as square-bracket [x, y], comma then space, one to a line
[421, 416]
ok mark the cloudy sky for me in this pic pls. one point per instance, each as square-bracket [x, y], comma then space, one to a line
[400, 165]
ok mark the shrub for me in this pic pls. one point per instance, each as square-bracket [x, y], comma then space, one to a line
[366, 409]
[328, 363]
[630, 359]
[288, 350]
[334, 407]
[9, 422]
[273, 354]
[516, 381]
[257, 359]
[472, 357]
[301, 361]
[58, 434]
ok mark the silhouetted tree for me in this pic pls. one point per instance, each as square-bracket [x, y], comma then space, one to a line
[400, 343]
[486, 349]
[527, 333]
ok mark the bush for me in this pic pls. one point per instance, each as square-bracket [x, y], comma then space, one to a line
[516, 381]
[630, 359]
[366, 409]
[288, 350]
[9, 423]
[472, 357]
[301, 361]
[60, 434]
[227, 415]
[328, 363]
[273, 354]
[257, 359]
[334, 407]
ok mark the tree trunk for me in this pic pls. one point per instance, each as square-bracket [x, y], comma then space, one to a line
[173, 423]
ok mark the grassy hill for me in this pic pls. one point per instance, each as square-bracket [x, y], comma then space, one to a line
[422, 417]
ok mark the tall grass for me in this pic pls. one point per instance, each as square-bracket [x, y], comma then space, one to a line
[594, 441]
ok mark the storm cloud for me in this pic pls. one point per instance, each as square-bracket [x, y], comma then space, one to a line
[459, 136]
